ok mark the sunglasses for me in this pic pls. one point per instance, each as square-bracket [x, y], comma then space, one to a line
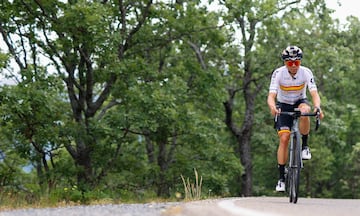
[291, 63]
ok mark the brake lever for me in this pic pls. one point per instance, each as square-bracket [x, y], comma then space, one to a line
[276, 119]
[317, 119]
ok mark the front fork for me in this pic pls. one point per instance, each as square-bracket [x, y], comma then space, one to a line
[295, 150]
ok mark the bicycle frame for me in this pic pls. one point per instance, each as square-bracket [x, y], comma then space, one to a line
[295, 163]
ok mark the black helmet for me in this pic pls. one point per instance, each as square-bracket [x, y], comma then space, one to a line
[292, 53]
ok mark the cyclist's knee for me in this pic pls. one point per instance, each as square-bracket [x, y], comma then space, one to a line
[304, 108]
[284, 136]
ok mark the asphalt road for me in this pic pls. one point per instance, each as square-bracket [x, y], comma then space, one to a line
[267, 206]
[147, 209]
[253, 206]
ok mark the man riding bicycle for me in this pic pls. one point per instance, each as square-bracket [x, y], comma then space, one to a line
[288, 91]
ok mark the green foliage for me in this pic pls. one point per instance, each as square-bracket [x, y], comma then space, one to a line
[3, 59]
[351, 182]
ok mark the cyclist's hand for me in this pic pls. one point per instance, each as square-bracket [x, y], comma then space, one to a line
[321, 112]
[274, 111]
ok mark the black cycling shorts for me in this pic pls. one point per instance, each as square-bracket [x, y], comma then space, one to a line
[284, 122]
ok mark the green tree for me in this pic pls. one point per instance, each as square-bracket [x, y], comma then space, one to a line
[85, 49]
[31, 119]
[174, 94]
[149, 61]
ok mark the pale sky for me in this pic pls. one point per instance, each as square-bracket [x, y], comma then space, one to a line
[347, 8]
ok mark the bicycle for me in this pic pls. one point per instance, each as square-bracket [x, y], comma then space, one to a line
[295, 163]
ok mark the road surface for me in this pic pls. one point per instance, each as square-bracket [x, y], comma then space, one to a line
[253, 206]
[267, 206]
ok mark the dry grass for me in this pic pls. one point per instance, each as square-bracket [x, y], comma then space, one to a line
[192, 190]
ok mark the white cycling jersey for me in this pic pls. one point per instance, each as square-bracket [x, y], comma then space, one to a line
[291, 89]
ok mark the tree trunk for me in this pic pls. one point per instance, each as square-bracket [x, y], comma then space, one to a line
[163, 187]
[245, 150]
[82, 159]
[243, 137]
[164, 159]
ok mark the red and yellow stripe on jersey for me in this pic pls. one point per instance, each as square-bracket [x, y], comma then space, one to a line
[292, 88]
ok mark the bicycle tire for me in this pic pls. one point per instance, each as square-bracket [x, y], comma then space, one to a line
[290, 183]
[295, 168]
[290, 176]
[296, 181]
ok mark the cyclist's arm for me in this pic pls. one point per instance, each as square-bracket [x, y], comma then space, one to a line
[274, 86]
[316, 101]
[271, 101]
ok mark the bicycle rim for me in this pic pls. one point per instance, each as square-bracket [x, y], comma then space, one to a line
[290, 184]
[294, 171]
[296, 176]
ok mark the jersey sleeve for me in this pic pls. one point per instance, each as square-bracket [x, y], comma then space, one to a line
[274, 83]
[310, 80]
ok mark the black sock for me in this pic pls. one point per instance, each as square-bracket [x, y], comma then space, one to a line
[304, 141]
[282, 172]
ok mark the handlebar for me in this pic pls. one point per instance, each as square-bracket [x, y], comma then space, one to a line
[296, 114]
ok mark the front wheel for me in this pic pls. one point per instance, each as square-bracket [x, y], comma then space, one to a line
[294, 175]
[294, 170]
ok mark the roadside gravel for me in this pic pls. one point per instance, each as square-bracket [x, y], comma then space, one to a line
[149, 209]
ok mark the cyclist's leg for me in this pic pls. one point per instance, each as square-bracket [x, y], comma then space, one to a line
[282, 152]
[283, 127]
[304, 127]
[304, 124]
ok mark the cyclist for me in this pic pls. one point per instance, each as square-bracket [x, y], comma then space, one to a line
[287, 91]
